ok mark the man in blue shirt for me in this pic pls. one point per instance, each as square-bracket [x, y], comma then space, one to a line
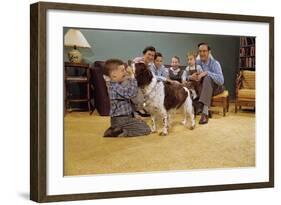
[212, 79]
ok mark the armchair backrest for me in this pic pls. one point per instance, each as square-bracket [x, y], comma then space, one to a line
[248, 79]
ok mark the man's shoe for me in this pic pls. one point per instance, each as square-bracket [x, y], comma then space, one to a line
[204, 119]
[113, 132]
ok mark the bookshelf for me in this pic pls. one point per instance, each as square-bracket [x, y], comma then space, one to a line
[247, 57]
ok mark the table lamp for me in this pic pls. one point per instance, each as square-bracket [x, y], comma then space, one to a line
[75, 39]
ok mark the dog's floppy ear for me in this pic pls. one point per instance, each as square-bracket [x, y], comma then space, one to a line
[193, 94]
[189, 85]
[142, 74]
[140, 69]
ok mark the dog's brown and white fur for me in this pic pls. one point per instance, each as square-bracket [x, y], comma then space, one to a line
[162, 97]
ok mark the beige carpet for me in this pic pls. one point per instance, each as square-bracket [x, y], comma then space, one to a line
[224, 142]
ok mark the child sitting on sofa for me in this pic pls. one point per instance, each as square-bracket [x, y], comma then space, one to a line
[192, 70]
[191, 80]
[121, 90]
[158, 69]
[175, 72]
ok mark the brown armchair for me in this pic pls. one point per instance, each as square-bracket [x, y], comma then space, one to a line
[245, 90]
[221, 100]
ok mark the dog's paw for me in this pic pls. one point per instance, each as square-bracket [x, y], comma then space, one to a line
[153, 130]
[192, 127]
[183, 122]
[163, 133]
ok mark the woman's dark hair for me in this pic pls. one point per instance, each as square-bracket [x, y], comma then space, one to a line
[148, 48]
[205, 44]
[157, 54]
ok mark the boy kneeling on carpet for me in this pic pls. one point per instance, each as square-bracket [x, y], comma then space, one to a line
[121, 90]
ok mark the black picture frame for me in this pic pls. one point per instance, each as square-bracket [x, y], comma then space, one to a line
[38, 103]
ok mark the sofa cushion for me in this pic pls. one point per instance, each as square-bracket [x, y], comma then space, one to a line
[224, 94]
[247, 93]
[249, 79]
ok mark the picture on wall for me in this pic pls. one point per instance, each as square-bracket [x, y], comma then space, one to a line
[198, 83]
[132, 102]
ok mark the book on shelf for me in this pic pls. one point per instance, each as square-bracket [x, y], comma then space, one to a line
[247, 41]
[247, 62]
[247, 52]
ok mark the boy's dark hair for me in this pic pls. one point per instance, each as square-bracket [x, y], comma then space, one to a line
[111, 64]
[176, 57]
[157, 54]
[148, 48]
[205, 44]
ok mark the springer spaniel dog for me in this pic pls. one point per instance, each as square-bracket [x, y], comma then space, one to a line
[162, 97]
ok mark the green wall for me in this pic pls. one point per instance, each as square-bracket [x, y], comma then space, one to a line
[129, 44]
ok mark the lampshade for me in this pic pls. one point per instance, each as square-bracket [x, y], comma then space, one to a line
[74, 37]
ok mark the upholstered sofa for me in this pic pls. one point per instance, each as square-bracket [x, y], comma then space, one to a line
[100, 93]
[101, 98]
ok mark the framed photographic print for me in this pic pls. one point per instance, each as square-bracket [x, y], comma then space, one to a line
[135, 102]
